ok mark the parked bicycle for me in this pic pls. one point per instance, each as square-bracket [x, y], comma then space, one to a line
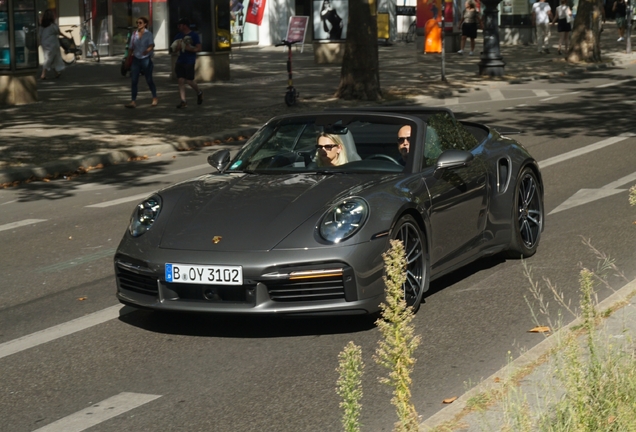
[71, 51]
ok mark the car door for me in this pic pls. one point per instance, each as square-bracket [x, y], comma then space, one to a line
[459, 197]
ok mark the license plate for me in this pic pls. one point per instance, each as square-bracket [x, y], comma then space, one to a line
[204, 274]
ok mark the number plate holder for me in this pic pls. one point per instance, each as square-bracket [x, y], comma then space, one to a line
[204, 274]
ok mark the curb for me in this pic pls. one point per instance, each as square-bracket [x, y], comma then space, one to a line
[49, 170]
[459, 408]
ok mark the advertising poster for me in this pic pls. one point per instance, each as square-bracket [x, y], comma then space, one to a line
[297, 29]
[330, 19]
[255, 12]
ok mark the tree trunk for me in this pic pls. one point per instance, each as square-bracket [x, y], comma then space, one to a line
[360, 73]
[585, 41]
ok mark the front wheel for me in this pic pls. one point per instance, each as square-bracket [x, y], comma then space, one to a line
[68, 57]
[417, 261]
[527, 216]
[290, 97]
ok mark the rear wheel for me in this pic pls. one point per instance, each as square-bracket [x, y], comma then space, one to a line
[417, 263]
[68, 58]
[527, 216]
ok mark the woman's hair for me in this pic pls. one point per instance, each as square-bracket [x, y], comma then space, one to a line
[48, 18]
[564, 1]
[144, 19]
[341, 159]
[471, 4]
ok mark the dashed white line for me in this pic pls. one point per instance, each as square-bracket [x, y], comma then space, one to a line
[496, 95]
[61, 330]
[581, 151]
[20, 224]
[99, 412]
[541, 93]
[614, 83]
[120, 200]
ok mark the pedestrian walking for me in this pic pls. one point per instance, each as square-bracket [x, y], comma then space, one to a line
[541, 17]
[563, 18]
[468, 23]
[142, 45]
[188, 44]
[52, 56]
[620, 13]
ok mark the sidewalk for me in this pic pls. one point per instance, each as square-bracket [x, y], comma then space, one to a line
[80, 120]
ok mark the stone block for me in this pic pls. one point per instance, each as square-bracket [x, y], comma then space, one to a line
[328, 52]
[18, 89]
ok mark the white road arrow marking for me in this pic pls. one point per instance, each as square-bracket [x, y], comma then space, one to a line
[99, 412]
[585, 196]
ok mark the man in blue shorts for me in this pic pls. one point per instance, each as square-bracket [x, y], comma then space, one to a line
[187, 44]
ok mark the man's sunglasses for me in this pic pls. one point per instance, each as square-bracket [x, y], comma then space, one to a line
[402, 139]
[327, 147]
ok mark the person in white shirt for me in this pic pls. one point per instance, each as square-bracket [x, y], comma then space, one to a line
[541, 17]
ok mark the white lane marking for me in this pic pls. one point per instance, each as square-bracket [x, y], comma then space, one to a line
[585, 196]
[451, 101]
[61, 330]
[496, 95]
[541, 93]
[550, 98]
[99, 412]
[614, 83]
[578, 152]
[20, 224]
[120, 200]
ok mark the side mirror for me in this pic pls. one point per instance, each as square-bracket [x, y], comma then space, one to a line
[220, 159]
[452, 159]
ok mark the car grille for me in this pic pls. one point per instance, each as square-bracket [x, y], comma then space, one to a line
[138, 283]
[307, 290]
[209, 293]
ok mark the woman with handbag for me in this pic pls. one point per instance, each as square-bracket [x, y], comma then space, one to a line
[141, 45]
[49, 32]
[563, 17]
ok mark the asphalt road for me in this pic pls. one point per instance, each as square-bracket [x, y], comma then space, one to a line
[123, 369]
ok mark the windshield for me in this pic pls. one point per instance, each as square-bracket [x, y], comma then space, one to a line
[324, 144]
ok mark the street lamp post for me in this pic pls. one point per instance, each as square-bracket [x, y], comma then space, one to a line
[491, 62]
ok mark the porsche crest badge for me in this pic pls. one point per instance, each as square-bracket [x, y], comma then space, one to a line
[216, 239]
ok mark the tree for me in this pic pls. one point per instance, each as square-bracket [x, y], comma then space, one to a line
[585, 42]
[360, 73]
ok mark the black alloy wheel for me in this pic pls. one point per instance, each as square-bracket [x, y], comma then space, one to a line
[417, 264]
[527, 216]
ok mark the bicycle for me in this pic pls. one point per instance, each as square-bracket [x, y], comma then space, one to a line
[411, 33]
[70, 50]
[292, 94]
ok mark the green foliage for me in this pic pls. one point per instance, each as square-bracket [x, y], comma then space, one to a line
[349, 388]
[398, 344]
[598, 379]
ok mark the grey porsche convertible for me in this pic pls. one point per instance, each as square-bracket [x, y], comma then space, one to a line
[297, 221]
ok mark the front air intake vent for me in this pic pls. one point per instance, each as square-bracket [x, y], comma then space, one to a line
[307, 290]
[130, 281]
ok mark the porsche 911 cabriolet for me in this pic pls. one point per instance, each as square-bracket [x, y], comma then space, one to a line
[297, 221]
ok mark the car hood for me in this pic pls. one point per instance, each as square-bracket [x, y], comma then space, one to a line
[255, 212]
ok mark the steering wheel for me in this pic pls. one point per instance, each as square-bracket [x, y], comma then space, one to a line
[383, 156]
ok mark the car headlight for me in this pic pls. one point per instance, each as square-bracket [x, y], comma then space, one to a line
[344, 219]
[144, 215]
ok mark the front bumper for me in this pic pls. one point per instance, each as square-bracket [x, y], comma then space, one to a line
[337, 280]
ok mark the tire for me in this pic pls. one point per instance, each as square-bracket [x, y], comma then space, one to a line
[410, 35]
[290, 97]
[67, 58]
[527, 216]
[417, 260]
